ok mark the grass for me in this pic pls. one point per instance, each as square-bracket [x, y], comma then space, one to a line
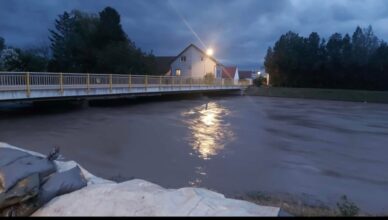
[292, 206]
[297, 207]
[324, 94]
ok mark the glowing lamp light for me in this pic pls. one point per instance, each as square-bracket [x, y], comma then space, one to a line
[209, 52]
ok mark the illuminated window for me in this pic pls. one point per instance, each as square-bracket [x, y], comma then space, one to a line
[177, 72]
[183, 58]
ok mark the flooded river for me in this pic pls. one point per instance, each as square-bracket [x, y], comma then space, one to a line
[318, 150]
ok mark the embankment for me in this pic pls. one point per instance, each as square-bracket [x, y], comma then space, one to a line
[324, 94]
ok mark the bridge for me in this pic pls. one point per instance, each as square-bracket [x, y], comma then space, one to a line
[32, 86]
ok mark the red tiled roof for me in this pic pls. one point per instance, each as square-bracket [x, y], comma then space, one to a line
[228, 72]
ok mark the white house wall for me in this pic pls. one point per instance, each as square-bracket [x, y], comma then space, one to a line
[193, 66]
[236, 76]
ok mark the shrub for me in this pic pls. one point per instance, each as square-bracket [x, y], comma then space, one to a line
[259, 81]
[209, 78]
[347, 208]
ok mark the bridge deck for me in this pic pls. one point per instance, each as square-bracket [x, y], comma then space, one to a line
[16, 86]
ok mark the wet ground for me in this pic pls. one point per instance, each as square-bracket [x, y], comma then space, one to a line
[314, 150]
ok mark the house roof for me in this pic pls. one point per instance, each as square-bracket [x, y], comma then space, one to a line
[245, 74]
[163, 64]
[197, 48]
[229, 72]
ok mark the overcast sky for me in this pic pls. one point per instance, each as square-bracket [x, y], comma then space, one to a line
[240, 31]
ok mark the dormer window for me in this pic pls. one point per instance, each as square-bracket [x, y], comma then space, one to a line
[183, 58]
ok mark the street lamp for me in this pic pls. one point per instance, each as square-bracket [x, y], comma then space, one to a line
[209, 52]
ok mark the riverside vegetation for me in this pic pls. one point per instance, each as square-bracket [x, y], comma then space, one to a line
[295, 207]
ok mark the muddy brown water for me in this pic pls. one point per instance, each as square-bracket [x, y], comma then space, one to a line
[316, 150]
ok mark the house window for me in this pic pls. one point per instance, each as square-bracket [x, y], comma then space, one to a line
[177, 72]
[201, 58]
[183, 58]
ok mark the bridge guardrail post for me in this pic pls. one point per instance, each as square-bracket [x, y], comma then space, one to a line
[87, 83]
[61, 83]
[146, 82]
[160, 83]
[172, 82]
[110, 82]
[129, 81]
[28, 86]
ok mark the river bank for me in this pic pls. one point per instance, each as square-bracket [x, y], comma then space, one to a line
[322, 94]
[140, 198]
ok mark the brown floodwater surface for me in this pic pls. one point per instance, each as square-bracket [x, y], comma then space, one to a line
[310, 149]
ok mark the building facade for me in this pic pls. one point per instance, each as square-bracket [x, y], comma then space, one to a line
[231, 73]
[193, 62]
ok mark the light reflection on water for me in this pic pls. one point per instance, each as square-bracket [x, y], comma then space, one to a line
[209, 132]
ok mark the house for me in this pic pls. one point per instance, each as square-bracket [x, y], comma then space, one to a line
[230, 73]
[247, 76]
[194, 62]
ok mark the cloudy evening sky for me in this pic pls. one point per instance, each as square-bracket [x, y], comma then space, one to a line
[240, 31]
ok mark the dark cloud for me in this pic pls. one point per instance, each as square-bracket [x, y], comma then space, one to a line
[239, 30]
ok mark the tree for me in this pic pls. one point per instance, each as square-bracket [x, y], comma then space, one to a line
[109, 28]
[378, 67]
[350, 62]
[286, 59]
[31, 60]
[2, 44]
[60, 41]
[312, 63]
[84, 42]
[10, 60]
[116, 53]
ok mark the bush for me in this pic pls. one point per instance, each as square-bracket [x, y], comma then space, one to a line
[209, 78]
[347, 208]
[259, 81]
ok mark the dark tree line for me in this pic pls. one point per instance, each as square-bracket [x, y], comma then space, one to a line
[81, 43]
[84, 42]
[16, 59]
[359, 61]
[2, 43]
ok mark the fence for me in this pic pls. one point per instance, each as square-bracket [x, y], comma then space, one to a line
[28, 81]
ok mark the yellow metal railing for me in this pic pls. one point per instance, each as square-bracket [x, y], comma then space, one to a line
[28, 81]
